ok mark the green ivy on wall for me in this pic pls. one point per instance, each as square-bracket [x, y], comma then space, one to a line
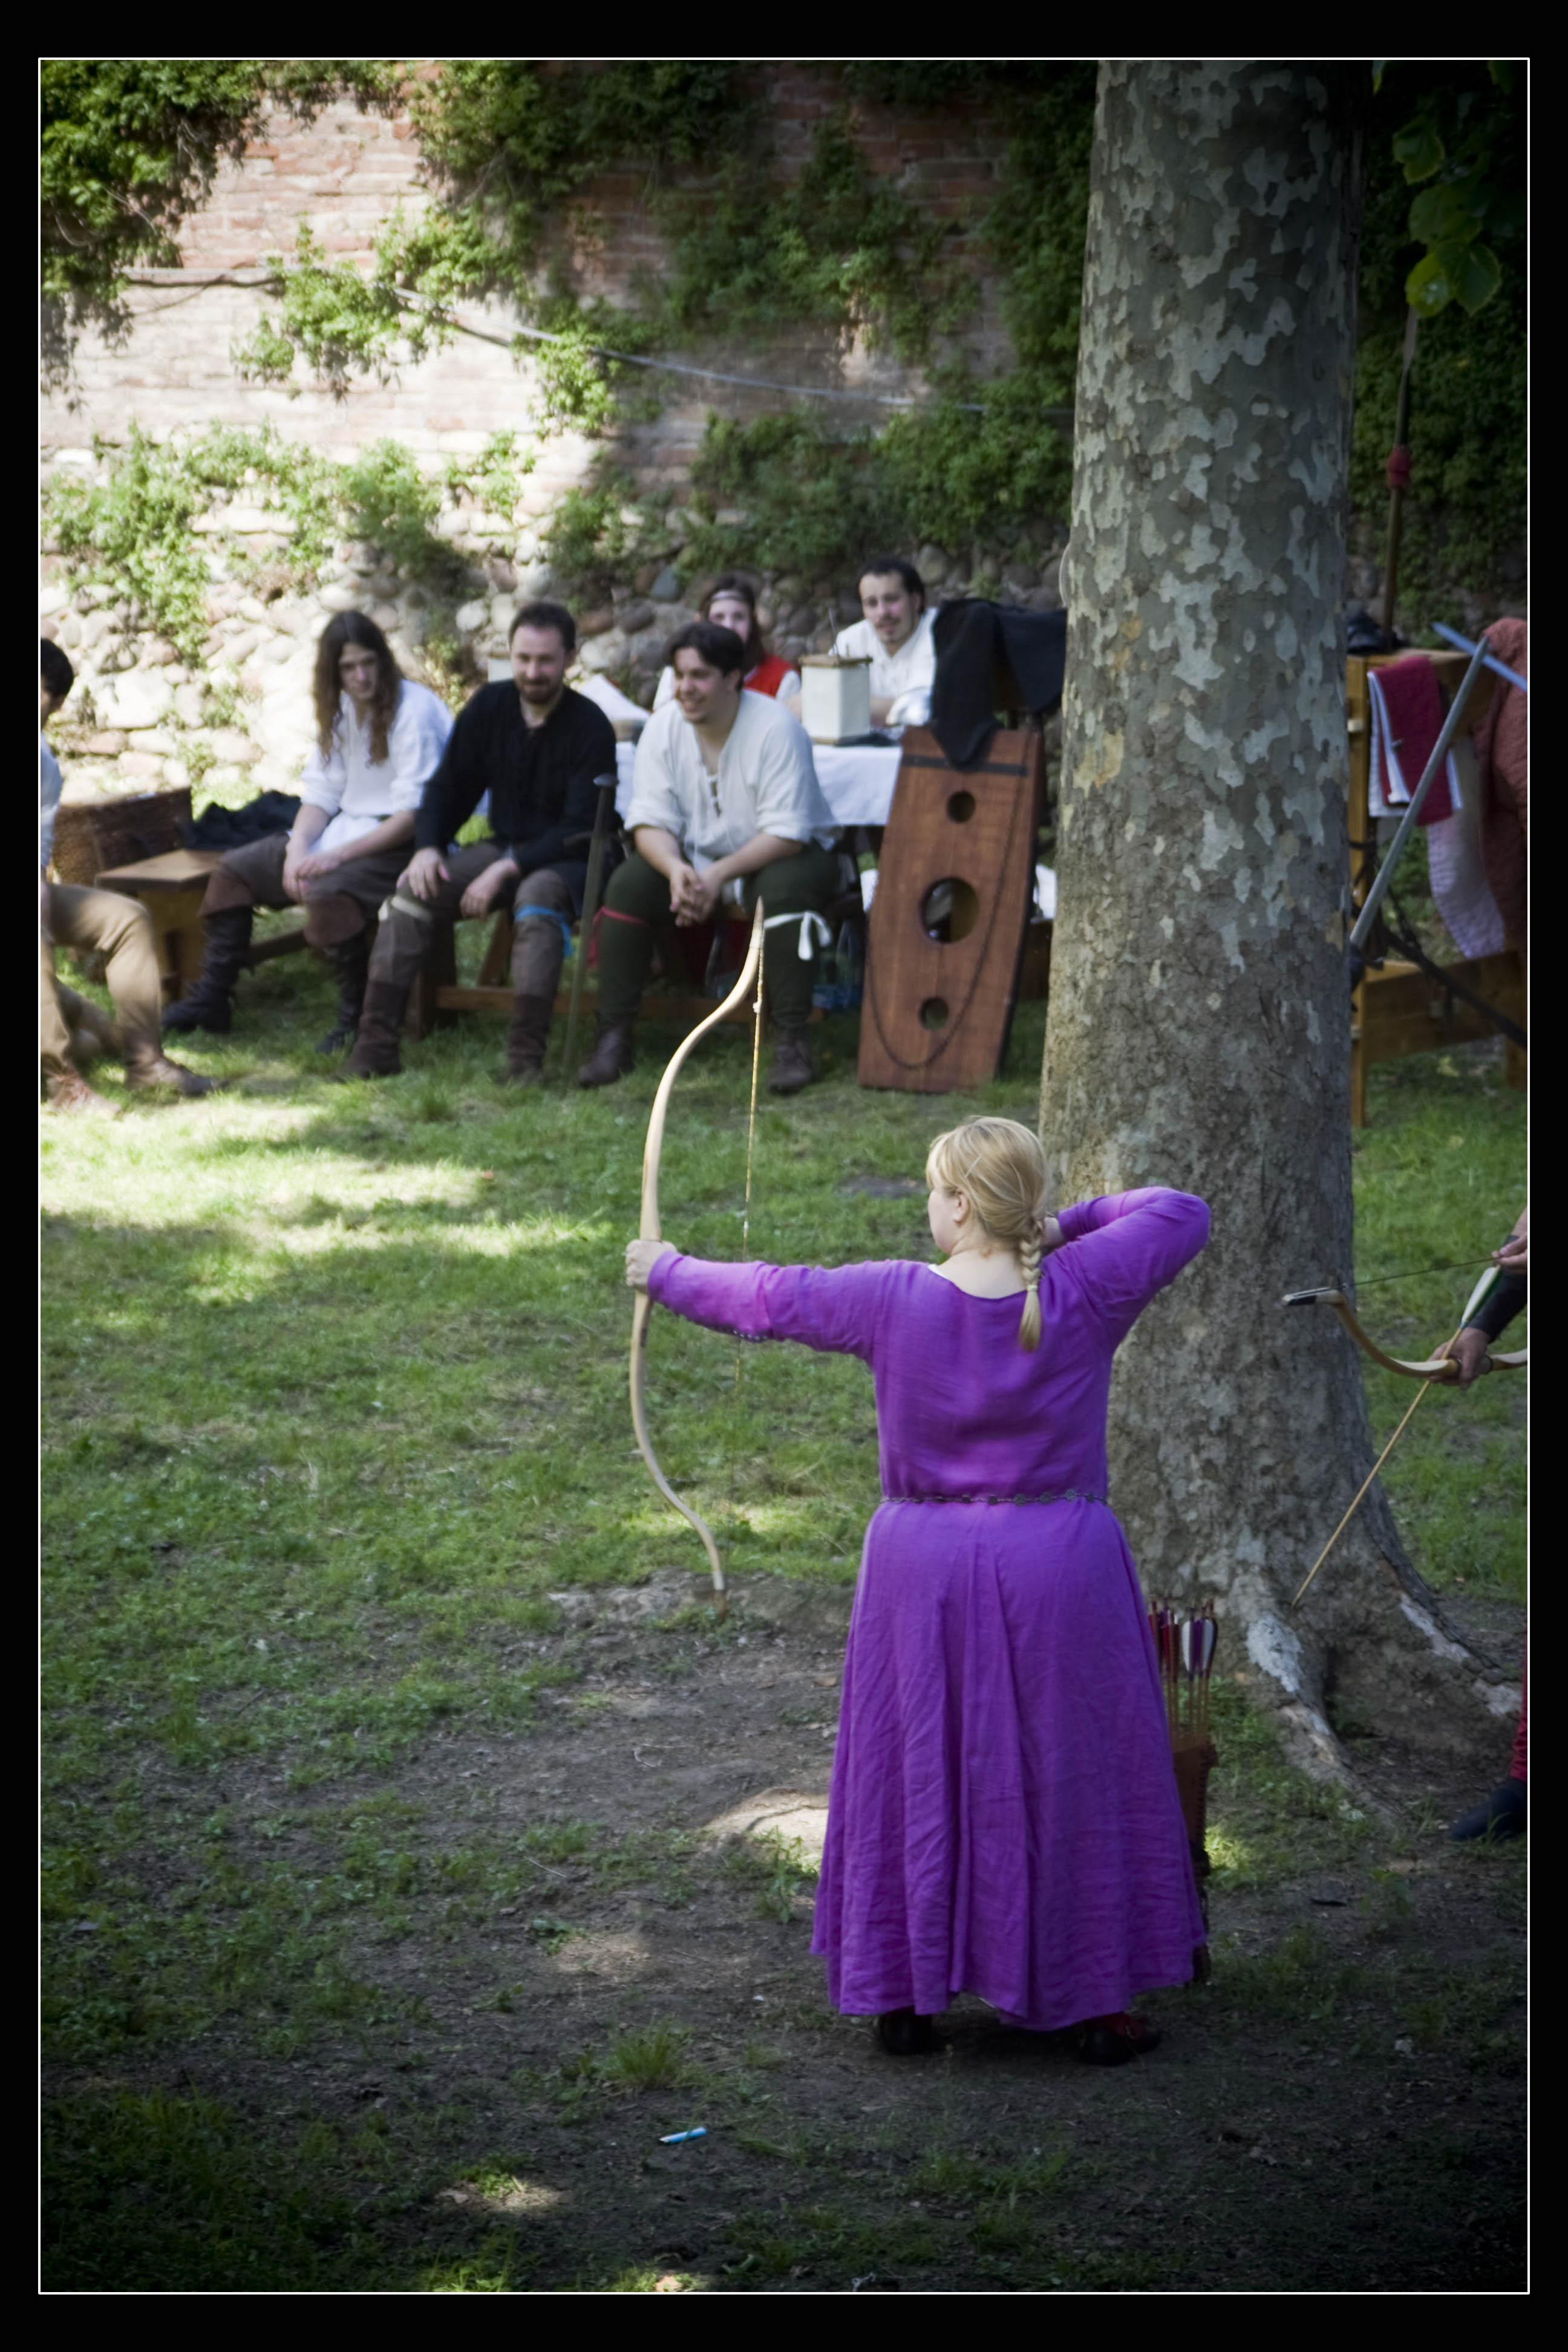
[841, 253]
[135, 531]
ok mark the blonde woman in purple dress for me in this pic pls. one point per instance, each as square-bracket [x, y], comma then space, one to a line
[1004, 1817]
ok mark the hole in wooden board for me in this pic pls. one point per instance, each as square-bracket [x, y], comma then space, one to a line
[933, 1012]
[960, 807]
[949, 911]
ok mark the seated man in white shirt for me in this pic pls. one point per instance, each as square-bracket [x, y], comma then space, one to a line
[896, 636]
[379, 737]
[725, 805]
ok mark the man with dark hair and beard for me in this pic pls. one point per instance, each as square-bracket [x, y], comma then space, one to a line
[378, 738]
[538, 750]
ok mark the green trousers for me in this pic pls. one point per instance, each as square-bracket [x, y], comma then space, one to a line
[637, 906]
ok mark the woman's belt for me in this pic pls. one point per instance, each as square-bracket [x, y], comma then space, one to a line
[1059, 1495]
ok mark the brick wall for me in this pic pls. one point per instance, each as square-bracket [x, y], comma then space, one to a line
[344, 172]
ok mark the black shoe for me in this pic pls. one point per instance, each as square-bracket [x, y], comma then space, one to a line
[904, 2034]
[201, 1010]
[1505, 1814]
[226, 938]
[1112, 2041]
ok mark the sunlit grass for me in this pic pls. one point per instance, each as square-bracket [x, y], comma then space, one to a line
[334, 1386]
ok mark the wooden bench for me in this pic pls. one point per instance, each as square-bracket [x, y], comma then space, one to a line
[132, 843]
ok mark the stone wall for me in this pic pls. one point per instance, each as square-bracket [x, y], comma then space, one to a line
[239, 720]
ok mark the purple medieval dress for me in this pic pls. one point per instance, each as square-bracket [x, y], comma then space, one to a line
[1004, 1817]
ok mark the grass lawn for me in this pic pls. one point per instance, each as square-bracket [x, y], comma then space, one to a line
[393, 1911]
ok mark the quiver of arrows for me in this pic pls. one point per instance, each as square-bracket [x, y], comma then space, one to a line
[1184, 1647]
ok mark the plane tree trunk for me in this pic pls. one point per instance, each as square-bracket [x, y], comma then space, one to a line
[1199, 1024]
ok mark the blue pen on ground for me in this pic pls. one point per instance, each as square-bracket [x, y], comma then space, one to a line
[673, 2139]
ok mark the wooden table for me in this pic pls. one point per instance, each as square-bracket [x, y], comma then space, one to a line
[171, 888]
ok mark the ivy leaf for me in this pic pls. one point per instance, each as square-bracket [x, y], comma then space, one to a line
[1420, 150]
[1428, 290]
[1441, 216]
[1379, 67]
[1467, 274]
[1504, 72]
[1478, 276]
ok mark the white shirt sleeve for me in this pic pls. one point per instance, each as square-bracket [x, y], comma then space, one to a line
[325, 780]
[782, 778]
[655, 794]
[414, 746]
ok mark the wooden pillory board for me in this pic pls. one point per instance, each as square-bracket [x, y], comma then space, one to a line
[939, 996]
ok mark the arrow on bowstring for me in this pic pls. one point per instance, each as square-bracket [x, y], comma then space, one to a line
[1429, 1372]
[649, 1231]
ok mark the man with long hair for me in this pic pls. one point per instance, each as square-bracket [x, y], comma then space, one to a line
[379, 737]
[538, 750]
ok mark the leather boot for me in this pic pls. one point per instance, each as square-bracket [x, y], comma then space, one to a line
[67, 1092]
[92, 1031]
[210, 1004]
[792, 1067]
[350, 960]
[526, 1040]
[612, 1057]
[151, 1068]
[375, 1054]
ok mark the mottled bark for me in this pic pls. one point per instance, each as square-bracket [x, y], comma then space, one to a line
[1198, 1031]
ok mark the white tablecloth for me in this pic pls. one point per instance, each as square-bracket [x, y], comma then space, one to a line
[856, 784]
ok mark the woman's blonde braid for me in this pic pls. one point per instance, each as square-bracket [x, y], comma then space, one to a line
[1031, 1248]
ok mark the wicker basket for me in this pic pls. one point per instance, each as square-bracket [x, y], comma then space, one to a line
[91, 836]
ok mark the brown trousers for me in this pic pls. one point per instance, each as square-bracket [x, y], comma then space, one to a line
[539, 943]
[338, 906]
[121, 929]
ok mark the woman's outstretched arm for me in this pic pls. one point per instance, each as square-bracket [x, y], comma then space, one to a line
[837, 1310]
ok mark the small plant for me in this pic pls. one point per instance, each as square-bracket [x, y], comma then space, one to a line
[778, 1866]
[651, 2059]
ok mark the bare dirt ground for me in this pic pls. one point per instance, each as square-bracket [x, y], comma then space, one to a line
[1341, 2108]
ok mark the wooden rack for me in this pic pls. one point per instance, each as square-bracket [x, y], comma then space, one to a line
[1400, 1009]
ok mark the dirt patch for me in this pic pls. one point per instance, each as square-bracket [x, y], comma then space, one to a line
[1340, 2108]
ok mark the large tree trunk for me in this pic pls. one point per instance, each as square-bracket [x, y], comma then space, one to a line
[1199, 1024]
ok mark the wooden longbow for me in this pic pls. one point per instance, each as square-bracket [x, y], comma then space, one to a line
[1432, 1369]
[649, 1231]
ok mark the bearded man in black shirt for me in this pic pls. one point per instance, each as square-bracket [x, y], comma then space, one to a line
[538, 749]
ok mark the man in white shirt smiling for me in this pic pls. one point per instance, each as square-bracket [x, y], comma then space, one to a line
[379, 736]
[896, 637]
[725, 804]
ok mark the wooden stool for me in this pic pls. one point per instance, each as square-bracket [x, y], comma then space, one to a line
[132, 843]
